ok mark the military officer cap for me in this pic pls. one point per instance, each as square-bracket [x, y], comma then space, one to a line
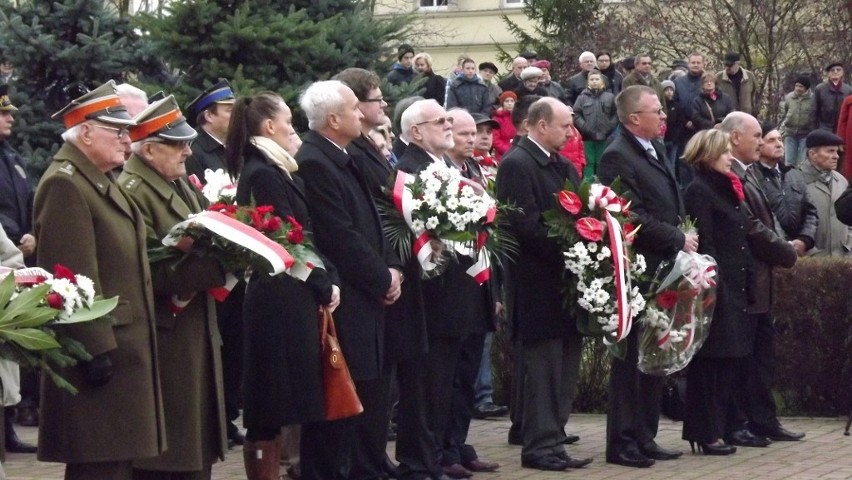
[5, 103]
[219, 93]
[156, 97]
[164, 120]
[101, 104]
[822, 138]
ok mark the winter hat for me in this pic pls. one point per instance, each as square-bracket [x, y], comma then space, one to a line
[804, 80]
[508, 94]
[543, 64]
[530, 73]
[403, 49]
[668, 84]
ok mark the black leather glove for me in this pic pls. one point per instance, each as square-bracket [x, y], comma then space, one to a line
[320, 284]
[98, 371]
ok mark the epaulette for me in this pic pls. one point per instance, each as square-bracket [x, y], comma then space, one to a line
[132, 183]
[67, 168]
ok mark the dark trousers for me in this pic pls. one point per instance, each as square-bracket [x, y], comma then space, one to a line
[455, 448]
[415, 445]
[760, 404]
[441, 371]
[709, 393]
[633, 414]
[352, 448]
[516, 394]
[737, 418]
[99, 471]
[229, 315]
[551, 369]
[156, 475]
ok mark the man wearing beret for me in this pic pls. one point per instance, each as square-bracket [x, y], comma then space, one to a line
[85, 222]
[487, 71]
[187, 335]
[825, 186]
[828, 97]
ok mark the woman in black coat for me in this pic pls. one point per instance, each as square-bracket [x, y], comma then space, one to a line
[282, 372]
[436, 85]
[715, 200]
[711, 106]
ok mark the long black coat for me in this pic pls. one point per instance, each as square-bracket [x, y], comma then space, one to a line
[455, 305]
[405, 324]
[723, 227]
[283, 378]
[16, 194]
[206, 153]
[654, 193]
[528, 179]
[706, 113]
[348, 231]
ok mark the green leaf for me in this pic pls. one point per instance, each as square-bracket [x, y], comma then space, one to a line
[98, 309]
[27, 300]
[30, 338]
[35, 317]
[7, 288]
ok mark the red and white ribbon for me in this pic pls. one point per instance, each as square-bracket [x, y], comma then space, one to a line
[620, 277]
[403, 201]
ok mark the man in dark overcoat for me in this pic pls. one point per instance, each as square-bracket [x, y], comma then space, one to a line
[348, 231]
[117, 416]
[187, 335]
[637, 157]
[529, 176]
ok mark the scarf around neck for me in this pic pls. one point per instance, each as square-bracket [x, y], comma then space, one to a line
[276, 154]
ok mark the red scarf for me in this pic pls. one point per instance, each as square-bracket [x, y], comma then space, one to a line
[712, 95]
[738, 185]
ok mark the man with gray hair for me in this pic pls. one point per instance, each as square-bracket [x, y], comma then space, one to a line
[120, 385]
[578, 82]
[135, 100]
[347, 229]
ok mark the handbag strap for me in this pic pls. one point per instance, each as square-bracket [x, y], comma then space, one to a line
[712, 117]
[326, 325]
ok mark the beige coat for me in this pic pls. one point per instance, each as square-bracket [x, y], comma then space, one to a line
[745, 102]
[189, 343]
[85, 222]
[833, 238]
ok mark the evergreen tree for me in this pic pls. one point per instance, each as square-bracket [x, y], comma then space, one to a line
[278, 45]
[54, 43]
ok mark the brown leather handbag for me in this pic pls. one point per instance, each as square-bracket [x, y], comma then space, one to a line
[341, 399]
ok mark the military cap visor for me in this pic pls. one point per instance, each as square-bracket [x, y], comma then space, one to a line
[162, 119]
[221, 92]
[5, 103]
[101, 104]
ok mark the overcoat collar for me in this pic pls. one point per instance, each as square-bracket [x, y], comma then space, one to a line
[136, 166]
[338, 156]
[254, 154]
[103, 184]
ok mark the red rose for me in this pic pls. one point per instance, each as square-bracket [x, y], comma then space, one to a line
[217, 207]
[274, 223]
[294, 222]
[295, 236]
[54, 300]
[61, 271]
[590, 228]
[570, 201]
[667, 300]
[264, 209]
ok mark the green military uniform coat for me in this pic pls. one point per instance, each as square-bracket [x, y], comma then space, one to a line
[84, 221]
[189, 342]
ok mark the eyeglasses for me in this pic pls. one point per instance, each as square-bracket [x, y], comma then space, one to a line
[656, 112]
[120, 132]
[179, 144]
[374, 100]
[437, 121]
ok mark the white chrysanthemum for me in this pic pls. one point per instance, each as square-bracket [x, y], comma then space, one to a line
[601, 297]
[639, 265]
[431, 223]
[418, 225]
[592, 247]
[87, 288]
[452, 203]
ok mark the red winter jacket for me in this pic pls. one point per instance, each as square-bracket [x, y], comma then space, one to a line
[573, 150]
[504, 135]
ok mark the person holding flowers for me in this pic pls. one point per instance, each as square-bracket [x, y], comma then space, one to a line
[638, 160]
[87, 223]
[529, 176]
[188, 341]
[282, 375]
[715, 200]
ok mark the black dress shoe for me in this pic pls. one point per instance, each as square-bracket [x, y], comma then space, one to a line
[744, 438]
[515, 437]
[27, 416]
[479, 465]
[490, 410]
[652, 450]
[571, 438]
[457, 471]
[15, 445]
[777, 434]
[235, 437]
[630, 458]
[547, 462]
[573, 462]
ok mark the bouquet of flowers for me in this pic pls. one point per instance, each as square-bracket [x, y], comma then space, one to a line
[677, 318]
[438, 213]
[33, 302]
[218, 186]
[592, 227]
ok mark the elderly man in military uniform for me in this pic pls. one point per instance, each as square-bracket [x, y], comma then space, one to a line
[84, 221]
[188, 341]
[211, 112]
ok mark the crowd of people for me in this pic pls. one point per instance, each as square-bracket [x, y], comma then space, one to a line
[161, 394]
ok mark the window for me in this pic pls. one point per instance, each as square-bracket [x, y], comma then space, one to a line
[429, 4]
[514, 3]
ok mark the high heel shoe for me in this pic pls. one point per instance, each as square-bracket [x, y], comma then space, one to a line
[715, 448]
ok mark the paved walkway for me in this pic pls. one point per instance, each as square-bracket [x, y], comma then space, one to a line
[824, 454]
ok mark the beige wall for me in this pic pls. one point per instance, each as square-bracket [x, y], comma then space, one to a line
[470, 27]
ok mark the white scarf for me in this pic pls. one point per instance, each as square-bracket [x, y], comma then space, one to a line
[276, 153]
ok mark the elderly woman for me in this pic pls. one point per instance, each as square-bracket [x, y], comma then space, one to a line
[711, 106]
[188, 342]
[715, 200]
[283, 376]
[436, 85]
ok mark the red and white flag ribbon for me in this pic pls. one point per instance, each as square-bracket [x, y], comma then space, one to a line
[621, 277]
[403, 201]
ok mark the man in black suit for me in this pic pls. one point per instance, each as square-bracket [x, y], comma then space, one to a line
[405, 325]
[529, 176]
[637, 157]
[348, 231]
[210, 113]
